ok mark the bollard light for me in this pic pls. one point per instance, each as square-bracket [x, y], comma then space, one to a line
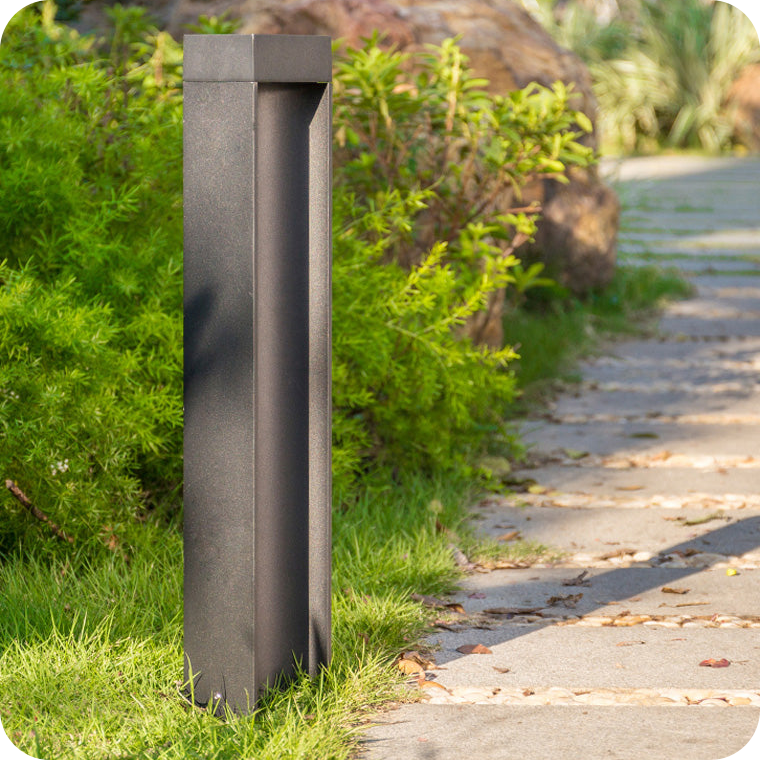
[257, 248]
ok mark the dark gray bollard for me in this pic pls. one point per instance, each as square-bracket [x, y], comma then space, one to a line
[257, 491]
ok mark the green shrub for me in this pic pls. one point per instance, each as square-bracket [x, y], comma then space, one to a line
[429, 168]
[671, 87]
[90, 295]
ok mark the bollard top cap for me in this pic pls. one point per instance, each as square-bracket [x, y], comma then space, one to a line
[257, 58]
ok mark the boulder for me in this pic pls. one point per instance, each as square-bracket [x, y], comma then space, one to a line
[577, 235]
[744, 102]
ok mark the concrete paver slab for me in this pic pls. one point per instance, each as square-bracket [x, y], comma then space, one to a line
[451, 732]
[616, 439]
[610, 592]
[606, 529]
[579, 657]
[643, 481]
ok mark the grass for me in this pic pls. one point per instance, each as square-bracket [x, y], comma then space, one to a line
[92, 647]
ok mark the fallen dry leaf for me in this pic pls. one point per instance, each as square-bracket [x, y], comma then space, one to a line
[455, 607]
[629, 488]
[579, 580]
[511, 536]
[460, 558]
[617, 553]
[690, 604]
[409, 667]
[629, 620]
[447, 626]
[537, 489]
[732, 571]
[719, 515]
[711, 663]
[415, 656]
[473, 649]
[500, 670]
[569, 600]
[512, 610]
[476, 595]
[423, 683]
[508, 565]
[673, 590]
[629, 643]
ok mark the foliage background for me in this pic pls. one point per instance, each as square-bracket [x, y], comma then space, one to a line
[90, 287]
[662, 69]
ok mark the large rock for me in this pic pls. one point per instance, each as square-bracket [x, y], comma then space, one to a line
[577, 237]
[744, 99]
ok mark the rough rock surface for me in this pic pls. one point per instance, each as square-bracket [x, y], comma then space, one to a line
[577, 235]
[744, 95]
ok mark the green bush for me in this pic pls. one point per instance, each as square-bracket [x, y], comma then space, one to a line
[91, 290]
[429, 168]
[90, 294]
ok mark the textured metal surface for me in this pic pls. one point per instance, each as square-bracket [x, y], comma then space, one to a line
[257, 384]
[283, 58]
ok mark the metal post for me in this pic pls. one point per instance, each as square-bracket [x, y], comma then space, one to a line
[257, 489]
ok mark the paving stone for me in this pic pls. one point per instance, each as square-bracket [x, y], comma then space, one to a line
[642, 481]
[606, 529]
[572, 732]
[608, 593]
[642, 437]
[577, 657]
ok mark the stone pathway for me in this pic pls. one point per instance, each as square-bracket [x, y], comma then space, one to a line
[646, 478]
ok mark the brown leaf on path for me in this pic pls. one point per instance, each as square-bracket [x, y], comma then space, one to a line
[617, 553]
[512, 610]
[438, 604]
[415, 656]
[509, 565]
[446, 626]
[511, 536]
[423, 683]
[409, 667]
[673, 590]
[629, 488]
[629, 620]
[476, 595]
[460, 558]
[500, 670]
[569, 600]
[690, 604]
[629, 643]
[711, 663]
[473, 649]
[579, 580]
